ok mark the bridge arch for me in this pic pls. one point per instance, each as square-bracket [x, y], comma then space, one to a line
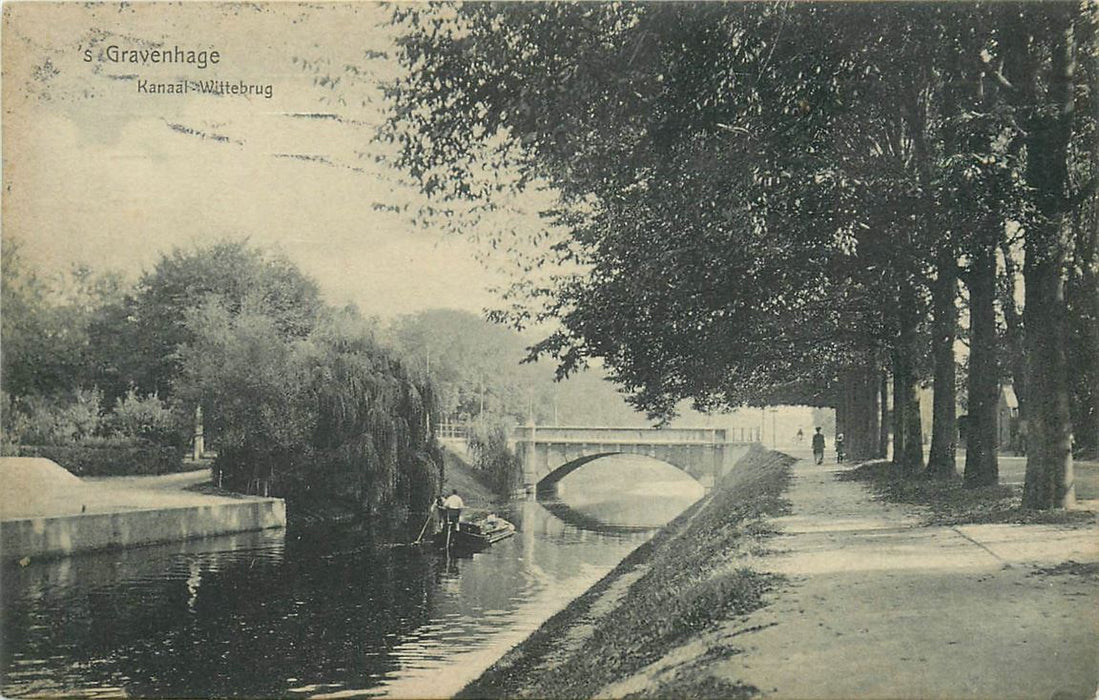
[547, 485]
[548, 454]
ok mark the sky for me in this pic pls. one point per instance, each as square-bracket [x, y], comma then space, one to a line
[97, 172]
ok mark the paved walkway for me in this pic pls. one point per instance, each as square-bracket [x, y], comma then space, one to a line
[35, 488]
[878, 606]
[881, 607]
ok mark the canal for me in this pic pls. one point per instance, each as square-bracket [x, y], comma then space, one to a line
[262, 615]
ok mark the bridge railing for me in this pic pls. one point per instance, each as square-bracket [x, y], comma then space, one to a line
[612, 435]
[620, 435]
[453, 430]
[745, 434]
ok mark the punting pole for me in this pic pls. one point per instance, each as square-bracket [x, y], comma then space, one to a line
[423, 529]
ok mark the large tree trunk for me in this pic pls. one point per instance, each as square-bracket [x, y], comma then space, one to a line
[883, 407]
[900, 406]
[941, 459]
[1049, 477]
[981, 467]
[1082, 292]
[1082, 300]
[857, 411]
[907, 425]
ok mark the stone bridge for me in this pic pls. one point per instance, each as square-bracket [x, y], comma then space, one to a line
[549, 454]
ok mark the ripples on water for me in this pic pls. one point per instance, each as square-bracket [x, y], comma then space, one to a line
[257, 615]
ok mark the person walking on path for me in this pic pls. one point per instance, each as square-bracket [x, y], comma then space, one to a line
[840, 453]
[818, 446]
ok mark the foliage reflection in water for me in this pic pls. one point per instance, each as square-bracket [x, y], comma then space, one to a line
[257, 615]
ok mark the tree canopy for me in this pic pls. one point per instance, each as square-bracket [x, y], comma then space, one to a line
[764, 200]
[143, 333]
[298, 398]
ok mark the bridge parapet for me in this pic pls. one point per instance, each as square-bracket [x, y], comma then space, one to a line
[610, 435]
[549, 453]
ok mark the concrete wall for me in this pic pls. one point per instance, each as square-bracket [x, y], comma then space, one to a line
[68, 534]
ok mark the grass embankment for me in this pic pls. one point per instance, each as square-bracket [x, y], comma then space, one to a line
[471, 484]
[948, 502]
[688, 577]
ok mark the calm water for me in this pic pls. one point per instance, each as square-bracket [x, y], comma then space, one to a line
[258, 615]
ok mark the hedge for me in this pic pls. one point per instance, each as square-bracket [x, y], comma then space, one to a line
[122, 459]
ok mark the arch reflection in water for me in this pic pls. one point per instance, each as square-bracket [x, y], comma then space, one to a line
[623, 492]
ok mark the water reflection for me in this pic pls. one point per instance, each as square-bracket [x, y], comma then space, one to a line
[331, 615]
[624, 492]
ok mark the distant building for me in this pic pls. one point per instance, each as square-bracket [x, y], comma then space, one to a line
[1009, 434]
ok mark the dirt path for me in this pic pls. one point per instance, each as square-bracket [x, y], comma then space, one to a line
[880, 607]
[37, 488]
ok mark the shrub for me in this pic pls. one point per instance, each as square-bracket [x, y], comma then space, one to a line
[144, 418]
[331, 422]
[104, 457]
[38, 420]
[489, 445]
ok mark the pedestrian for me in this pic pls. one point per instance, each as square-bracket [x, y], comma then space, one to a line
[840, 454]
[453, 504]
[818, 446]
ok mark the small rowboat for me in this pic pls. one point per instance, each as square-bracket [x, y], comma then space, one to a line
[475, 535]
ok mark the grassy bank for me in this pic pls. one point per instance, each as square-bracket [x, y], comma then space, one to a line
[472, 485]
[948, 502]
[681, 582]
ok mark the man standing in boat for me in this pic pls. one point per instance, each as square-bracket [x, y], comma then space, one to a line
[453, 505]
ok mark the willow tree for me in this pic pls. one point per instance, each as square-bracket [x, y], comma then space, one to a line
[331, 421]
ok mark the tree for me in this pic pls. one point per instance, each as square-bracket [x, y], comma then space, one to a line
[44, 328]
[1082, 285]
[330, 421]
[479, 372]
[979, 184]
[139, 338]
[682, 181]
[1046, 95]
[755, 194]
[474, 364]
